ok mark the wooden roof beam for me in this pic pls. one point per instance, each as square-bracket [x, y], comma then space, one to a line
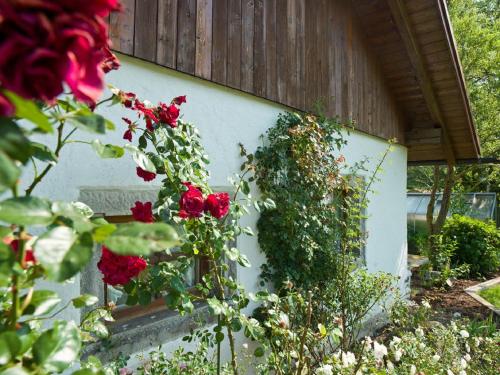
[402, 21]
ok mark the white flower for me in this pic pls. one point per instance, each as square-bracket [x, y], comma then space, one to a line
[464, 333]
[453, 326]
[449, 372]
[457, 315]
[245, 346]
[436, 357]
[397, 355]
[419, 332]
[395, 341]
[413, 370]
[390, 366]
[467, 357]
[348, 359]
[426, 304]
[463, 363]
[467, 347]
[421, 346]
[325, 370]
[462, 372]
[379, 350]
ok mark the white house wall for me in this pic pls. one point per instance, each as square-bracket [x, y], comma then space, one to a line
[226, 117]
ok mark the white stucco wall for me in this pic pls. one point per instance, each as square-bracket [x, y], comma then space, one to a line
[226, 117]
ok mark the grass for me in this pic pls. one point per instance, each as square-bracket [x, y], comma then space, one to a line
[492, 295]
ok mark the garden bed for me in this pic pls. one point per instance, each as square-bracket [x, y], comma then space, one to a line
[448, 303]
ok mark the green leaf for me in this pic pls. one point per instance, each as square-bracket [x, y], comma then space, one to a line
[58, 347]
[110, 125]
[88, 121]
[219, 337]
[43, 153]
[243, 261]
[6, 263]
[27, 109]
[17, 370]
[84, 300]
[215, 306]
[74, 214]
[259, 351]
[103, 231]
[26, 211]
[177, 284]
[10, 345]
[107, 151]
[9, 172]
[141, 238]
[141, 159]
[13, 141]
[232, 254]
[322, 330]
[62, 253]
[245, 188]
[42, 302]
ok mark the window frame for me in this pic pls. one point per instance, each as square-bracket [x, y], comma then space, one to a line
[160, 324]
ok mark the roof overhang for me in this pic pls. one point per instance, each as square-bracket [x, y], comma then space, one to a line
[416, 49]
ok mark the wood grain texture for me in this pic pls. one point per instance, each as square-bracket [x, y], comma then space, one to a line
[219, 41]
[166, 53]
[234, 44]
[121, 28]
[247, 44]
[203, 60]
[259, 50]
[146, 16]
[349, 56]
[186, 36]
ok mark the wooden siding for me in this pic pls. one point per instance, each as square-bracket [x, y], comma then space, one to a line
[286, 51]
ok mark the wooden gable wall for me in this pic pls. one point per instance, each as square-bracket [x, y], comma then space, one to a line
[288, 51]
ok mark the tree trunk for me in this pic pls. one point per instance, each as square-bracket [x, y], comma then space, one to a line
[435, 226]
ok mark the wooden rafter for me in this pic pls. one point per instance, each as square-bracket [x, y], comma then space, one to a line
[401, 19]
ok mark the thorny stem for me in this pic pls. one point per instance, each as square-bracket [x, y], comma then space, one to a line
[304, 335]
[46, 170]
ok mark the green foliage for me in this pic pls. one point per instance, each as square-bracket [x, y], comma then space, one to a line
[478, 244]
[299, 171]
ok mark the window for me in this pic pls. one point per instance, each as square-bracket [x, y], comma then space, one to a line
[118, 296]
[136, 327]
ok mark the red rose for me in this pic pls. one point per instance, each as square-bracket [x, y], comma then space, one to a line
[179, 100]
[29, 256]
[145, 175]
[119, 269]
[168, 114]
[148, 113]
[46, 43]
[191, 202]
[126, 98]
[128, 135]
[143, 212]
[110, 62]
[7, 109]
[217, 204]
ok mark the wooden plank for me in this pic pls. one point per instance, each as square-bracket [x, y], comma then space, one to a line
[271, 49]
[310, 73]
[300, 55]
[186, 36]
[234, 44]
[219, 41]
[146, 14]
[121, 28]
[247, 45]
[259, 49]
[399, 13]
[291, 54]
[203, 59]
[166, 53]
[281, 49]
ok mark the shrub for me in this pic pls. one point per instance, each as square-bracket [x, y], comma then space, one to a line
[478, 243]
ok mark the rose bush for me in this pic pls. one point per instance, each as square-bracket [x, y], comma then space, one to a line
[119, 269]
